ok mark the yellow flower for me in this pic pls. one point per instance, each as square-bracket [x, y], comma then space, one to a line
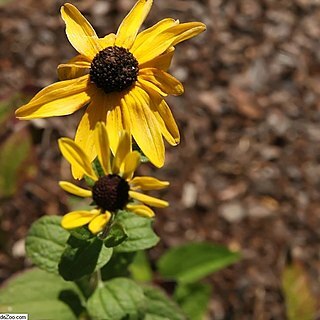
[115, 189]
[122, 77]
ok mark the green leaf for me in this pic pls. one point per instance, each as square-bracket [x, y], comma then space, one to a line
[116, 235]
[193, 299]
[160, 307]
[82, 233]
[45, 243]
[42, 295]
[300, 303]
[117, 299]
[194, 261]
[140, 268]
[83, 257]
[118, 265]
[139, 230]
[97, 168]
[14, 153]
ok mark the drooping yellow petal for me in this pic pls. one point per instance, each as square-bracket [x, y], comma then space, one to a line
[73, 189]
[76, 157]
[99, 222]
[162, 112]
[123, 149]
[79, 31]
[151, 201]
[59, 99]
[115, 121]
[131, 162]
[144, 126]
[154, 47]
[97, 111]
[152, 32]
[131, 24]
[77, 219]
[147, 183]
[163, 80]
[107, 41]
[162, 62]
[74, 68]
[140, 210]
[102, 147]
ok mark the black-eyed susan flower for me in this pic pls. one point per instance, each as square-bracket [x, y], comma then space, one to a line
[123, 77]
[113, 189]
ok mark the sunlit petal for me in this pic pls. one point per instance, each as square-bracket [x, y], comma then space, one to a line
[162, 62]
[73, 189]
[131, 163]
[154, 47]
[107, 41]
[147, 183]
[102, 147]
[74, 68]
[140, 210]
[76, 157]
[115, 121]
[99, 222]
[79, 31]
[163, 80]
[97, 111]
[123, 148]
[151, 201]
[77, 219]
[152, 32]
[58, 99]
[131, 24]
[144, 126]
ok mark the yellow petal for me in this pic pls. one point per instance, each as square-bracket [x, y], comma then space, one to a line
[152, 32]
[162, 112]
[99, 222]
[115, 121]
[146, 84]
[102, 147]
[163, 80]
[194, 29]
[151, 201]
[76, 157]
[162, 62]
[74, 68]
[59, 99]
[108, 40]
[140, 210]
[131, 163]
[97, 111]
[73, 189]
[154, 47]
[147, 183]
[79, 31]
[131, 23]
[144, 126]
[123, 149]
[77, 219]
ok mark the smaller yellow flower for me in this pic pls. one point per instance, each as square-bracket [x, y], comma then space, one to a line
[114, 189]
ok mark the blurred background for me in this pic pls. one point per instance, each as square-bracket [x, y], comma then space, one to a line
[247, 172]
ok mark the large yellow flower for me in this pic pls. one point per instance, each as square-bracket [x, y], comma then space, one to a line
[115, 188]
[122, 77]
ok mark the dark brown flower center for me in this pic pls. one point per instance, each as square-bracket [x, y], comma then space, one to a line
[114, 69]
[111, 192]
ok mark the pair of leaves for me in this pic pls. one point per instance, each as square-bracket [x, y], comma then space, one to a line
[46, 296]
[53, 249]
